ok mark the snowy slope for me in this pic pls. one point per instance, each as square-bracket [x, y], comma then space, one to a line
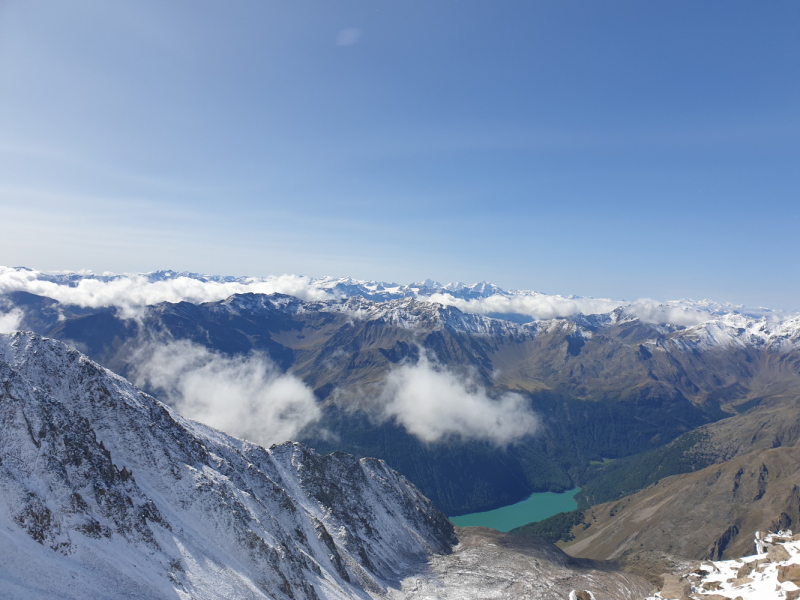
[741, 331]
[105, 492]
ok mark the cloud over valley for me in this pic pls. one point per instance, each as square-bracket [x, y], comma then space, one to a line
[434, 404]
[245, 396]
[11, 320]
[249, 397]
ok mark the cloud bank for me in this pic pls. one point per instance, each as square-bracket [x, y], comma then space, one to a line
[537, 306]
[652, 311]
[131, 293]
[543, 307]
[433, 404]
[247, 397]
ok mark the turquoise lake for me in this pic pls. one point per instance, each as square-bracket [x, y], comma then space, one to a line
[535, 508]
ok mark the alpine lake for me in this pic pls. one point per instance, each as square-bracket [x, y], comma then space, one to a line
[536, 507]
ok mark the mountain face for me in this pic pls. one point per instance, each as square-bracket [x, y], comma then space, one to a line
[743, 475]
[105, 492]
[605, 385]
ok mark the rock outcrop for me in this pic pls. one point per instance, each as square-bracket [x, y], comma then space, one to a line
[774, 574]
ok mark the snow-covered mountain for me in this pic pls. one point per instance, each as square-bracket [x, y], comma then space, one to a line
[107, 493]
[480, 308]
[718, 330]
[133, 291]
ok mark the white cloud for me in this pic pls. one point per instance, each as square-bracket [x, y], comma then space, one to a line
[247, 397]
[434, 404]
[348, 37]
[652, 311]
[537, 306]
[131, 293]
[10, 321]
[542, 306]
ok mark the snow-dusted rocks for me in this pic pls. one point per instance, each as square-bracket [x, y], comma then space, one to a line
[774, 573]
[490, 564]
[105, 492]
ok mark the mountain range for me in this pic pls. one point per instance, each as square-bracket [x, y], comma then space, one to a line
[622, 394]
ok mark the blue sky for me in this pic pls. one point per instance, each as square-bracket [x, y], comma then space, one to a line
[616, 149]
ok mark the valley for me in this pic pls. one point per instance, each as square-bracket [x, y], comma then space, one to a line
[653, 420]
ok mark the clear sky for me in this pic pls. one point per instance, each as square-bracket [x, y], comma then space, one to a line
[616, 149]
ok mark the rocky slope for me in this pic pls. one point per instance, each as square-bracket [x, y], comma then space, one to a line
[105, 492]
[750, 483]
[489, 564]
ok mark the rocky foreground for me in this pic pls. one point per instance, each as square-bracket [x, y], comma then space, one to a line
[489, 564]
[773, 573]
